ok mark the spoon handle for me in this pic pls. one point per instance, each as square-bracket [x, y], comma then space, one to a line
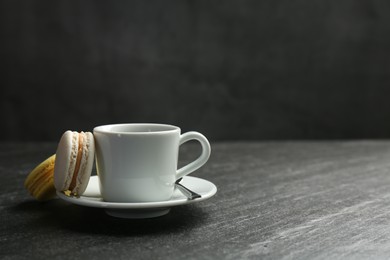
[187, 192]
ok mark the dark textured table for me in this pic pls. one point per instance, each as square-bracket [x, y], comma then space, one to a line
[275, 200]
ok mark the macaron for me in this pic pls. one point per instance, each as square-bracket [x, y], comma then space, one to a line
[74, 162]
[39, 182]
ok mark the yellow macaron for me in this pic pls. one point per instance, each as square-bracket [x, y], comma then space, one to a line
[40, 181]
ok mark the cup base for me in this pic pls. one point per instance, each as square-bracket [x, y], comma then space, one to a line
[137, 214]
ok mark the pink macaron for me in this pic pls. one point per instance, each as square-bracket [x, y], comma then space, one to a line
[74, 162]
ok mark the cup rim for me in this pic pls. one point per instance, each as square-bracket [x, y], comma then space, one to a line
[106, 129]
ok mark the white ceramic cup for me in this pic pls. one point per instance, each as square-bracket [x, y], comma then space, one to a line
[138, 162]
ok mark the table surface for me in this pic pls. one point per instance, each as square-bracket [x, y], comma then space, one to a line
[275, 200]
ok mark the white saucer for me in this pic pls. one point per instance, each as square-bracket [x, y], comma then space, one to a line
[92, 198]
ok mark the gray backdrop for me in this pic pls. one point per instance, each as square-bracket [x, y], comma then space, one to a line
[231, 69]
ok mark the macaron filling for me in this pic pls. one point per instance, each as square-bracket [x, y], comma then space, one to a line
[73, 183]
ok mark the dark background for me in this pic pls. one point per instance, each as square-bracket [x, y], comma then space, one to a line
[229, 69]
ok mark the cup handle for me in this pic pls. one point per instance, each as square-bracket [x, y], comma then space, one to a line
[202, 159]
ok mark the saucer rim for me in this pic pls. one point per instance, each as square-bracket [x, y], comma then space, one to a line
[97, 201]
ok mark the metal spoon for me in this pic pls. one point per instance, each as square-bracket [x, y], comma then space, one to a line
[187, 192]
